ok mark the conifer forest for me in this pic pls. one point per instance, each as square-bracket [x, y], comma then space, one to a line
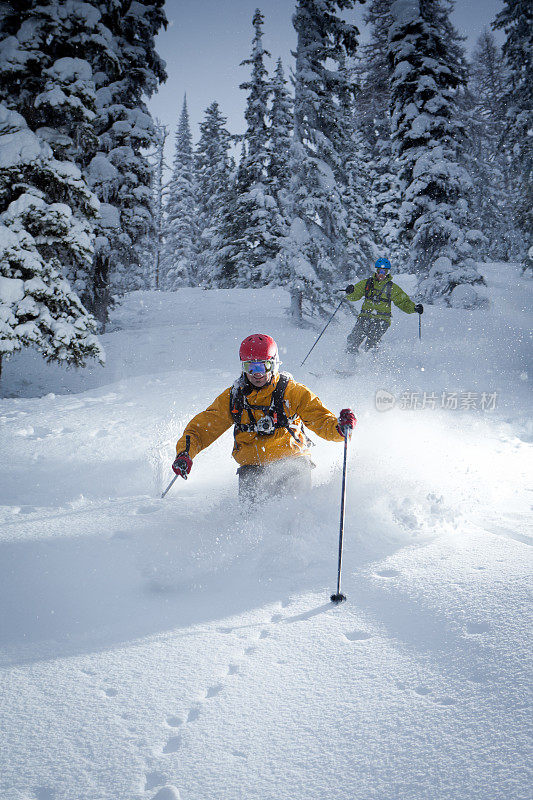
[401, 146]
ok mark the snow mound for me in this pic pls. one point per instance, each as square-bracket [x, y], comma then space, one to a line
[464, 296]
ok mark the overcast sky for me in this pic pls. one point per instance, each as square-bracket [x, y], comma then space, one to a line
[207, 39]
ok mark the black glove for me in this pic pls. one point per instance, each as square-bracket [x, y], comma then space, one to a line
[349, 289]
[419, 308]
[182, 464]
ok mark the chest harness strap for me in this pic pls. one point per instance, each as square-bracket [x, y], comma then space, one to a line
[274, 415]
[376, 295]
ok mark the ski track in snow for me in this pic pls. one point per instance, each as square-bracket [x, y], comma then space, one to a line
[186, 649]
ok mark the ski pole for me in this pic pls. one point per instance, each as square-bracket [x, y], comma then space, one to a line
[338, 597]
[183, 475]
[325, 326]
[169, 486]
[420, 327]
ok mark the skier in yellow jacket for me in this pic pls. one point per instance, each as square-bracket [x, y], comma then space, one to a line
[375, 316]
[268, 410]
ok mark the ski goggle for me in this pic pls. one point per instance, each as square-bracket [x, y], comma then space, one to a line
[258, 367]
[383, 270]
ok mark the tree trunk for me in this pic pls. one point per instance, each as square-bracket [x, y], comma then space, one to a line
[102, 291]
[296, 305]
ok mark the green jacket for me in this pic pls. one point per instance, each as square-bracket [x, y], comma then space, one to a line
[381, 295]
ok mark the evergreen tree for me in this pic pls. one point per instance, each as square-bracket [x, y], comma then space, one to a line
[516, 19]
[280, 138]
[373, 120]
[373, 95]
[427, 136]
[46, 55]
[158, 201]
[150, 247]
[39, 233]
[361, 250]
[215, 181]
[311, 253]
[78, 73]
[492, 201]
[252, 240]
[280, 133]
[181, 213]
[120, 172]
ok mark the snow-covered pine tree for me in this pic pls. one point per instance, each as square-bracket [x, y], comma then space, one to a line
[151, 246]
[281, 121]
[372, 118]
[373, 90]
[215, 180]
[54, 54]
[492, 199]
[181, 213]
[516, 19]
[311, 252]
[251, 228]
[120, 172]
[39, 233]
[427, 135]
[158, 202]
[361, 250]
[46, 54]
[280, 132]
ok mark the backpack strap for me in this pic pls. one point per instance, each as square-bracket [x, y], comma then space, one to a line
[277, 406]
[379, 295]
[276, 410]
[236, 400]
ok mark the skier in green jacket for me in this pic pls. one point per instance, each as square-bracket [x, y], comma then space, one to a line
[375, 316]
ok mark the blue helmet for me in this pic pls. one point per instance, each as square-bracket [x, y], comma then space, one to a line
[383, 263]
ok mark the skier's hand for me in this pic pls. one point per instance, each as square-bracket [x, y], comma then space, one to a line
[182, 464]
[346, 420]
[350, 288]
[419, 308]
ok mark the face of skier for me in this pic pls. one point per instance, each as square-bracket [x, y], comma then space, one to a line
[381, 274]
[259, 373]
[259, 380]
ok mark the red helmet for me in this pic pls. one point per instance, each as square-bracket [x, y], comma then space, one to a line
[258, 347]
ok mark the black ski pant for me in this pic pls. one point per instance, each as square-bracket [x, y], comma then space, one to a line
[289, 476]
[369, 328]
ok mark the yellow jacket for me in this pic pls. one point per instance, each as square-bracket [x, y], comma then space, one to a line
[249, 447]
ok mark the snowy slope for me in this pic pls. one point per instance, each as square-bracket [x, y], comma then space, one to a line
[186, 647]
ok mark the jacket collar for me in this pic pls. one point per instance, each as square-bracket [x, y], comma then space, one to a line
[248, 387]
